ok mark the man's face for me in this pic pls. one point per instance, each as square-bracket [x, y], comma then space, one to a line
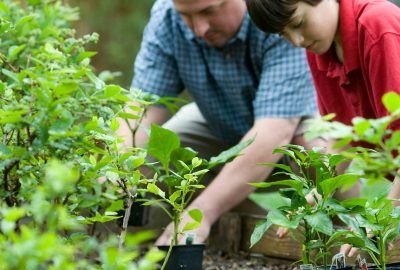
[215, 21]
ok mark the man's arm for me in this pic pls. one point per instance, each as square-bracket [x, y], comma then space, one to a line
[231, 185]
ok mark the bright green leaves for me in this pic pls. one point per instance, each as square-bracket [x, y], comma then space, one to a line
[65, 88]
[197, 216]
[14, 51]
[60, 179]
[229, 154]
[156, 190]
[391, 101]
[61, 168]
[344, 181]
[162, 143]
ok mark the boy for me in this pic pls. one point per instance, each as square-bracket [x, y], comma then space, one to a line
[353, 50]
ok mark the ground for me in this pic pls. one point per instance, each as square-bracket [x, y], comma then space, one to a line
[242, 261]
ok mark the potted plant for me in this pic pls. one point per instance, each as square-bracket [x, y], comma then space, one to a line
[180, 171]
[316, 177]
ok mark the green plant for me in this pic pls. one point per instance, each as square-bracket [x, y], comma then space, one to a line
[315, 174]
[375, 163]
[377, 217]
[58, 124]
[42, 233]
[180, 171]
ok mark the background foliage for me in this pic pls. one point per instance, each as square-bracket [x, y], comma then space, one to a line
[120, 24]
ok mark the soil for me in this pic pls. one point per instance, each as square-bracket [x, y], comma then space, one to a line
[242, 261]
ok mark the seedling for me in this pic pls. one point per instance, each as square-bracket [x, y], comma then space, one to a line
[180, 171]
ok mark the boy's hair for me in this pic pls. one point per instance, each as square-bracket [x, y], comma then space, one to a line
[271, 16]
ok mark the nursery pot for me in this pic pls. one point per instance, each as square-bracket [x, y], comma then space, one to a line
[389, 266]
[188, 257]
[139, 214]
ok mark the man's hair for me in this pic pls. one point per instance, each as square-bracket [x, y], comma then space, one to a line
[271, 16]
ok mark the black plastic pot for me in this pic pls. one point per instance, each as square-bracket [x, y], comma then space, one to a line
[139, 215]
[188, 257]
[389, 266]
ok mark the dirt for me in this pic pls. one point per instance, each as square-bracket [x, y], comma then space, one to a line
[242, 261]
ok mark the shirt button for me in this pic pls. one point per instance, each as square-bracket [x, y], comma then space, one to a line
[347, 83]
[227, 56]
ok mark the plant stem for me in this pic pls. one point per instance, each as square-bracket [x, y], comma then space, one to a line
[382, 249]
[174, 240]
[167, 256]
[125, 222]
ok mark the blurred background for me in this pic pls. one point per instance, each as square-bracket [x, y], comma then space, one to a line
[120, 24]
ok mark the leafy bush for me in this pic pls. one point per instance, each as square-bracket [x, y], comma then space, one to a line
[57, 123]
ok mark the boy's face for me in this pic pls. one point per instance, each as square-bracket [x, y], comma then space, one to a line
[314, 27]
[215, 21]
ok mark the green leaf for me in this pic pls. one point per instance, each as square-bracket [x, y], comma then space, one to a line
[329, 186]
[65, 88]
[114, 124]
[115, 206]
[391, 101]
[229, 154]
[268, 200]
[125, 115]
[111, 90]
[62, 126]
[13, 52]
[10, 74]
[261, 228]
[190, 226]
[13, 214]
[201, 172]
[278, 218]
[112, 176]
[24, 20]
[181, 155]
[84, 55]
[4, 150]
[297, 185]
[361, 125]
[277, 165]
[196, 214]
[342, 142]
[155, 190]
[182, 165]
[60, 178]
[320, 222]
[162, 143]
[175, 196]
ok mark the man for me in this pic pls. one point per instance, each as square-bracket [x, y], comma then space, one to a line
[244, 84]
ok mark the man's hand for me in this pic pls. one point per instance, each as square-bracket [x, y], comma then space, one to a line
[200, 234]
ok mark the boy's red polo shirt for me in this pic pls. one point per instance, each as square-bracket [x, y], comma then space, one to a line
[371, 46]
